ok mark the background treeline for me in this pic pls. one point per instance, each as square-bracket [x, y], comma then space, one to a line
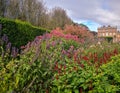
[35, 12]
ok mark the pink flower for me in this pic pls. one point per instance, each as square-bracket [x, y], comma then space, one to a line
[53, 43]
[72, 47]
[22, 47]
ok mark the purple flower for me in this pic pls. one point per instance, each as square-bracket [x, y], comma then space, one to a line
[5, 38]
[53, 43]
[72, 47]
[28, 44]
[60, 42]
[14, 52]
[48, 46]
[64, 52]
[46, 36]
[8, 47]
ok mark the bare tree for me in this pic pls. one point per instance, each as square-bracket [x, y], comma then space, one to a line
[3, 7]
[35, 12]
[59, 18]
[13, 9]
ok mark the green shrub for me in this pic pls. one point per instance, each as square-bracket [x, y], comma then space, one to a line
[34, 71]
[18, 32]
[108, 79]
[66, 44]
[56, 65]
[109, 39]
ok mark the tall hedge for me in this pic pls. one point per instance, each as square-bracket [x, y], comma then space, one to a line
[18, 32]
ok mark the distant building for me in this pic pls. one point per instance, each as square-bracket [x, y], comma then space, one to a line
[109, 31]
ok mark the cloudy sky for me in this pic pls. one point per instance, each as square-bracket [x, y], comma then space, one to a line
[93, 13]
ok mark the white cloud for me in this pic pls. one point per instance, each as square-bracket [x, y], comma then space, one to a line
[106, 16]
[103, 12]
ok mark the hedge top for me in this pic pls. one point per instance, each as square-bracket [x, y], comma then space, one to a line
[20, 33]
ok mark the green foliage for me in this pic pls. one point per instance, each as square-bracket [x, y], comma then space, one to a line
[73, 78]
[56, 65]
[108, 78]
[33, 72]
[109, 39]
[66, 44]
[18, 32]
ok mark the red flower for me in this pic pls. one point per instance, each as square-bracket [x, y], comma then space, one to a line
[47, 91]
[95, 54]
[64, 67]
[69, 56]
[80, 90]
[90, 87]
[75, 68]
[101, 61]
[104, 60]
[78, 62]
[75, 57]
[82, 65]
[115, 51]
[85, 58]
[56, 66]
[95, 59]
[59, 71]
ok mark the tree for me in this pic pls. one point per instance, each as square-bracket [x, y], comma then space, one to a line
[32, 11]
[80, 31]
[59, 18]
[3, 7]
[35, 12]
[13, 10]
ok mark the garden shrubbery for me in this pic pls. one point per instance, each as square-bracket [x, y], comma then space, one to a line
[58, 63]
[18, 32]
[108, 78]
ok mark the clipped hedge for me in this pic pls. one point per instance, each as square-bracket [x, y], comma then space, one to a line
[18, 32]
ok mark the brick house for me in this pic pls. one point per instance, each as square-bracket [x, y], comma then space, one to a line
[109, 31]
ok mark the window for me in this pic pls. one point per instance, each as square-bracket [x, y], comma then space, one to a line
[106, 34]
[103, 34]
[113, 33]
